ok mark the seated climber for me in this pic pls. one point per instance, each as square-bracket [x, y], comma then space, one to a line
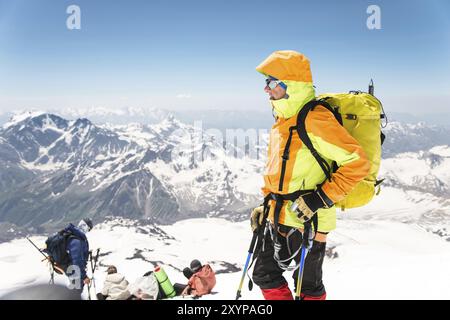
[115, 287]
[202, 279]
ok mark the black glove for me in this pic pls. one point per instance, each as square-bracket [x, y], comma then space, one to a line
[307, 205]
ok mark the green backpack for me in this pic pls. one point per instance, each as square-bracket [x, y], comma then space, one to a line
[361, 114]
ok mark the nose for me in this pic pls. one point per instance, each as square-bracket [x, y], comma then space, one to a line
[267, 89]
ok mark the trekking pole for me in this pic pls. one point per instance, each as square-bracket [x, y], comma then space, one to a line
[89, 291]
[93, 269]
[52, 277]
[250, 253]
[252, 247]
[34, 245]
[93, 266]
[305, 249]
[89, 284]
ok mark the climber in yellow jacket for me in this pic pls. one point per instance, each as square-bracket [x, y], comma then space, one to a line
[293, 173]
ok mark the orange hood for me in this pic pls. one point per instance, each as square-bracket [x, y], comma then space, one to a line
[287, 65]
[294, 70]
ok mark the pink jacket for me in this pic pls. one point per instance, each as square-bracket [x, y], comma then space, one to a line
[203, 281]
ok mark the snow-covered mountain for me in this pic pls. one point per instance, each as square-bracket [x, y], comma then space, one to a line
[210, 118]
[424, 171]
[407, 137]
[56, 171]
[98, 115]
[163, 172]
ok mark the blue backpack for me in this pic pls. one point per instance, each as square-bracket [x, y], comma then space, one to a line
[57, 248]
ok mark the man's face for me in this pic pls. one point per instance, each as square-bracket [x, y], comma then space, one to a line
[275, 94]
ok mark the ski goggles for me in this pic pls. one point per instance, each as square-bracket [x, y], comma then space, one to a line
[273, 83]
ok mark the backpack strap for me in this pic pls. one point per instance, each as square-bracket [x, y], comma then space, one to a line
[68, 235]
[285, 158]
[301, 129]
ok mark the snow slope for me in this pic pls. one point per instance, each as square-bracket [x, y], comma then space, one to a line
[367, 258]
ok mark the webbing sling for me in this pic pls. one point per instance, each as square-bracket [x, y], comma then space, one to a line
[279, 201]
[272, 196]
[261, 232]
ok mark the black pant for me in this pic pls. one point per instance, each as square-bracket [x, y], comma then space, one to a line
[268, 275]
[100, 296]
[179, 288]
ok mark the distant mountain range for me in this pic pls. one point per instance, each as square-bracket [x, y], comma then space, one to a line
[211, 118]
[54, 171]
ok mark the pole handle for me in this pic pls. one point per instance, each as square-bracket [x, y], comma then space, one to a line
[307, 232]
[253, 242]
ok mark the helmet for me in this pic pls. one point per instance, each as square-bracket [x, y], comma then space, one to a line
[89, 223]
[85, 225]
[196, 265]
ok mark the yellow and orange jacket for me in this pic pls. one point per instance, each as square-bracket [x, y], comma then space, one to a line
[330, 139]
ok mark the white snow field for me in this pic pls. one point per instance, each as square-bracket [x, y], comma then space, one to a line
[382, 251]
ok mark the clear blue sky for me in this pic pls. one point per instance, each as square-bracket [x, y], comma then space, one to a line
[203, 54]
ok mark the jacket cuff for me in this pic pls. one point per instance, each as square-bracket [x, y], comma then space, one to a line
[328, 203]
